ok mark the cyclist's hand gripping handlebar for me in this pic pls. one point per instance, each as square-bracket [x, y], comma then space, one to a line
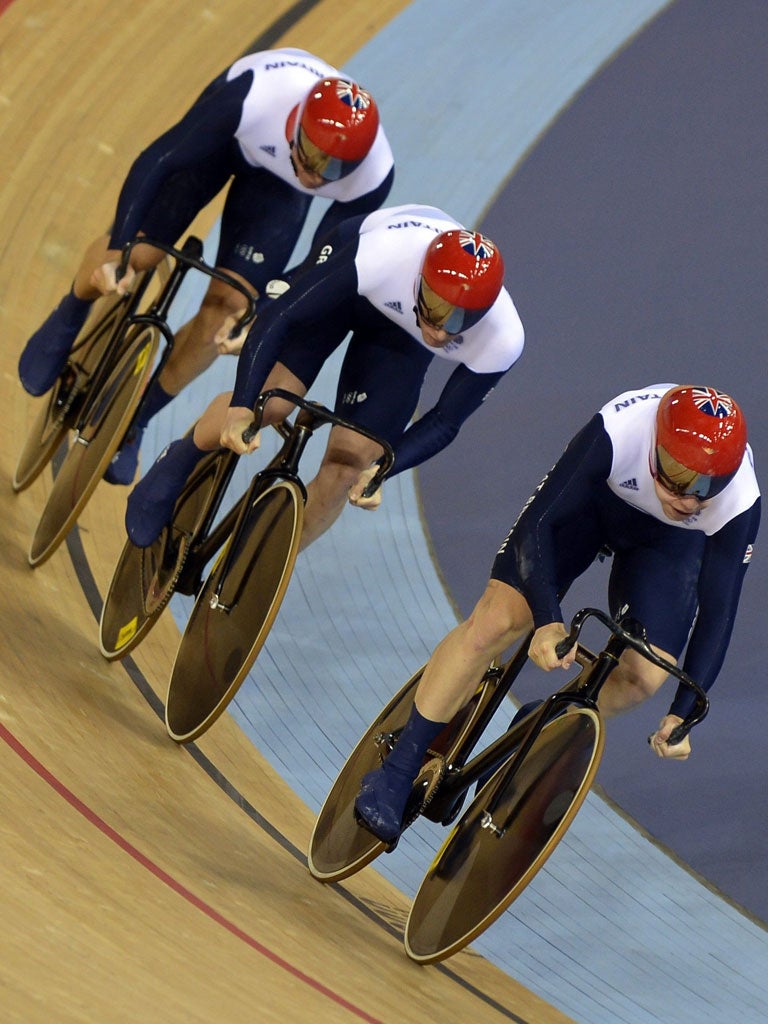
[191, 256]
[641, 645]
[313, 414]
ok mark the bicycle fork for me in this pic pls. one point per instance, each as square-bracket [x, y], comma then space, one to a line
[582, 692]
[282, 467]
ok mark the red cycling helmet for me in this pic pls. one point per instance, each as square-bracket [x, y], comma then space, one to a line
[461, 277]
[334, 129]
[701, 437]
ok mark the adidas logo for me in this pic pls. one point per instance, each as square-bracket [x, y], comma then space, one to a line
[396, 306]
[269, 150]
[630, 485]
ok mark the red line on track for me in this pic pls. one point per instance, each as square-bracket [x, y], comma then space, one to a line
[172, 883]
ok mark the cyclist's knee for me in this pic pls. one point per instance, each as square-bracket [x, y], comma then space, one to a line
[338, 472]
[637, 678]
[220, 301]
[346, 456]
[499, 618]
[278, 409]
[145, 257]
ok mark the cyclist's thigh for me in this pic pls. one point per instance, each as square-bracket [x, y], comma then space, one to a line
[306, 348]
[183, 196]
[277, 409]
[381, 378]
[260, 225]
[576, 545]
[658, 581]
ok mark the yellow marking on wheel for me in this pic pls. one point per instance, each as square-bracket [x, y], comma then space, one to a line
[127, 632]
[141, 359]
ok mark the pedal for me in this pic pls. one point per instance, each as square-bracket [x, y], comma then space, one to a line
[385, 742]
[424, 788]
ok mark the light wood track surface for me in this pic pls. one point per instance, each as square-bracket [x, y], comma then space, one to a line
[141, 881]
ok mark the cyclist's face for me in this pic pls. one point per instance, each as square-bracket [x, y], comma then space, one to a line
[308, 161]
[676, 487]
[678, 507]
[432, 313]
[308, 178]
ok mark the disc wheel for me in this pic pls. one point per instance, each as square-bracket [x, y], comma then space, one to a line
[339, 845]
[504, 837]
[60, 407]
[227, 629]
[104, 424]
[145, 579]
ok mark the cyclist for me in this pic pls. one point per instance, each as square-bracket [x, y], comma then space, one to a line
[410, 283]
[284, 126]
[663, 478]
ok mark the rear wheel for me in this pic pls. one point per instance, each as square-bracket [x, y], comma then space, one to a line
[145, 579]
[104, 424]
[505, 837]
[230, 620]
[60, 407]
[339, 846]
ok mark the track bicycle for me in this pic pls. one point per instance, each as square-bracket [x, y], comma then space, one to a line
[253, 548]
[99, 393]
[531, 782]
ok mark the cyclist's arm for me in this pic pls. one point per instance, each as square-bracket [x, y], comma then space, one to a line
[208, 126]
[720, 580]
[315, 293]
[464, 392]
[364, 205]
[565, 493]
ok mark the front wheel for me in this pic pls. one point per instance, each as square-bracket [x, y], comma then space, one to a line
[232, 617]
[505, 837]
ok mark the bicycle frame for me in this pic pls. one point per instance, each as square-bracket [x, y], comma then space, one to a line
[189, 257]
[283, 466]
[582, 691]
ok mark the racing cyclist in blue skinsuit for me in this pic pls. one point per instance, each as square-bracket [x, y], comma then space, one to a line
[276, 129]
[411, 284]
[663, 478]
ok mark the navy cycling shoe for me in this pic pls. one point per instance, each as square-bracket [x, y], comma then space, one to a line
[45, 354]
[381, 802]
[151, 502]
[125, 462]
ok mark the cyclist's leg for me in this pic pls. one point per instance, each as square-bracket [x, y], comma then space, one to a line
[656, 583]
[179, 200]
[151, 503]
[449, 679]
[379, 385]
[261, 222]
[347, 455]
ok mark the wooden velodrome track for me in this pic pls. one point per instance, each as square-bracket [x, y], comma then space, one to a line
[133, 886]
